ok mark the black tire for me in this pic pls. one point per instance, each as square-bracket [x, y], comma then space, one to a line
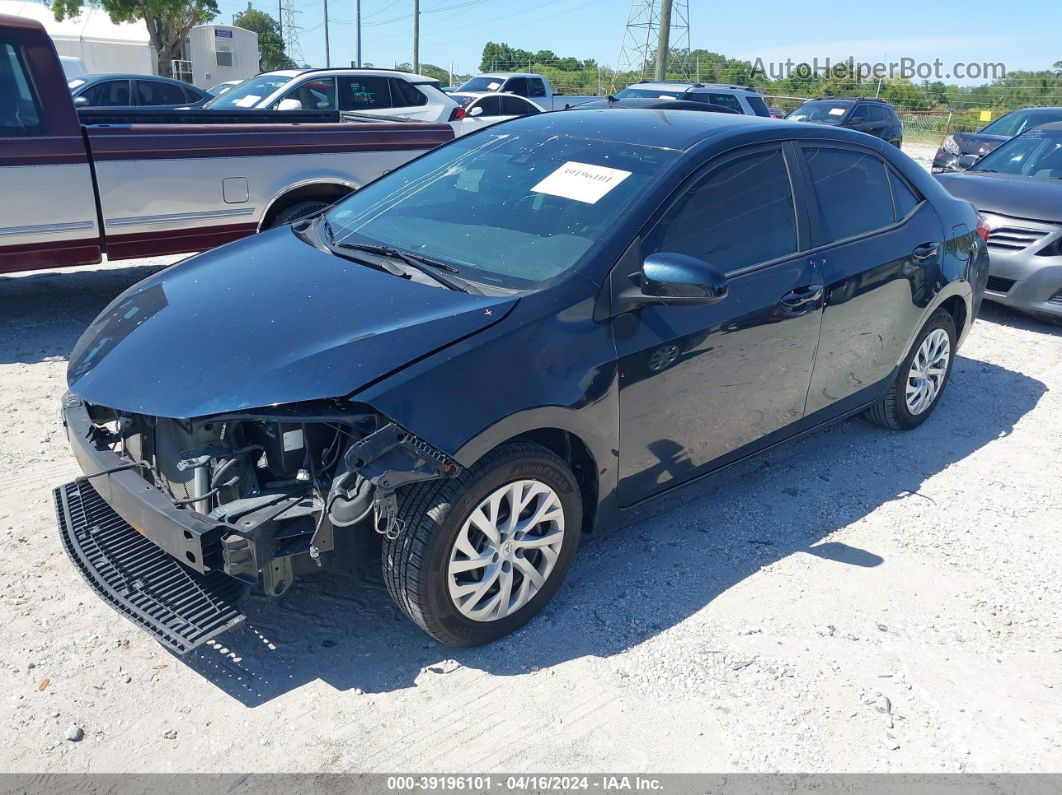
[415, 565]
[298, 211]
[892, 411]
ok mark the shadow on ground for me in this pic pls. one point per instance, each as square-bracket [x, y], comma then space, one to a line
[669, 559]
[43, 314]
[1005, 316]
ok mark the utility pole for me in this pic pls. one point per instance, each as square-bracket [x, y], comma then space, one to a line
[357, 33]
[280, 17]
[328, 55]
[663, 42]
[416, 37]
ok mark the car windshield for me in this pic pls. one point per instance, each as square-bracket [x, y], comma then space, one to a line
[655, 93]
[482, 84]
[819, 110]
[1037, 153]
[248, 93]
[1021, 120]
[512, 209]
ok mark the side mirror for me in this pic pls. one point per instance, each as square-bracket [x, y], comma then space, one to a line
[289, 104]
[476, 111]
[856, 120]
[668, 278]
[81, 101]
[966, 161]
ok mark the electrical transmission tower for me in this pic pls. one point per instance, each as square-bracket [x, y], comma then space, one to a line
[289, 31]
[642, 36]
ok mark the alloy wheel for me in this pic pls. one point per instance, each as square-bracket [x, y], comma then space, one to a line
[928, 369]
[506, 550]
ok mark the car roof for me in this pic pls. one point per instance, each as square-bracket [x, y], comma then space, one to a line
[653, 103]
[325, 71]
[671, 129]
[504, 75]
[679, 85]
[129, 76]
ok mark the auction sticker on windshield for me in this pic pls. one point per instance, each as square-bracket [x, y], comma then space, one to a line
[582, 182]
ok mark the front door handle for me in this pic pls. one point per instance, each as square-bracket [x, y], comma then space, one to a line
[925, 252]
[802, 296]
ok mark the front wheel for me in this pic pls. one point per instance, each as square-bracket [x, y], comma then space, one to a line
[482, 553]
[922, 376]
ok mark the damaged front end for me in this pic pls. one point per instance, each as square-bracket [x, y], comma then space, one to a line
[175, 518]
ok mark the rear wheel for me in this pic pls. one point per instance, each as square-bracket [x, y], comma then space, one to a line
[922, 377]
[482, 553]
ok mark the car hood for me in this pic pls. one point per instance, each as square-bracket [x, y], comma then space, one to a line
[264, 321]
[977, 143]
[1019, 197]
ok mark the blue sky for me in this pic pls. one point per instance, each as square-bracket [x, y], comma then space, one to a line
[456, 30]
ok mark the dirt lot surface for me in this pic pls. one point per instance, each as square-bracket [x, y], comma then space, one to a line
[859, 600]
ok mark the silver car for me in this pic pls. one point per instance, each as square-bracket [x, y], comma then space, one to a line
[1017, 188]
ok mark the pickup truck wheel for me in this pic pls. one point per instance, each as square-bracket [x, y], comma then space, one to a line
[921, 378]
[298, 211]
[482, 553]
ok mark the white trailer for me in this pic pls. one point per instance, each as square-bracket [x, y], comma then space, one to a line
[101, 45]
[221, 52]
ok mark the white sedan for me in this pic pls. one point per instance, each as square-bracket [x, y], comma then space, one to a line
[482, 110]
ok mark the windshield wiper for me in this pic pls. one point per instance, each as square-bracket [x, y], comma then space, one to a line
[425, 265]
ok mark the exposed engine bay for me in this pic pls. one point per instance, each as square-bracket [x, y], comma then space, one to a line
[284, 493]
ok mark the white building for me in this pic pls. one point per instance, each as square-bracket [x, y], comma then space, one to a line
[102, 45]
[216, 53]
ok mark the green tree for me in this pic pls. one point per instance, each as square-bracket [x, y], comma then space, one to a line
[428, 70]
[167, 21]
[271, 53]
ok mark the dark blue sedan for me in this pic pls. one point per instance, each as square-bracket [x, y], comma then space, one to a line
[498, 347]
[124, 90]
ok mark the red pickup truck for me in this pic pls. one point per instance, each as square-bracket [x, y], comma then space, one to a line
[72, 192]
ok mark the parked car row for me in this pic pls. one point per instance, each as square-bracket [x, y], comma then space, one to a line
[961, 150]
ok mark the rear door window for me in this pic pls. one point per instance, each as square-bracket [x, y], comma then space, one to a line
[726, 100]
[364, 93]
[20, 112]
[155, 92]
[852, 191]
[739, 214]
[535, 87]
[516, 106]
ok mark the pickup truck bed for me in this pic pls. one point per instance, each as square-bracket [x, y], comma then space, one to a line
[73, 192]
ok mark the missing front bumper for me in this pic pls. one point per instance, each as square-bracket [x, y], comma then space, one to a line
[182, 608]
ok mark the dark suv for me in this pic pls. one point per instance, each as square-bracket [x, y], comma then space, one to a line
[873, 116]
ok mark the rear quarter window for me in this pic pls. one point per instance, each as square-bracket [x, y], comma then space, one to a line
[759, 107]
[406, 95]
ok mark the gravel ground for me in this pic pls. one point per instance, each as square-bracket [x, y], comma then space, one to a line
[861, 600]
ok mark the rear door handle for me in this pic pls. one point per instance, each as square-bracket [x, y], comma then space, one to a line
[925, 252]
[802, 296]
